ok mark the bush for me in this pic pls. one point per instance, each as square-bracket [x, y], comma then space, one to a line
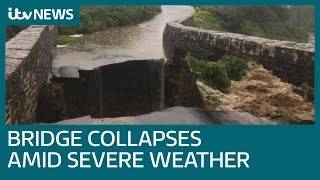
[215, 74]
[219, 74]
[236, 67]
[197, 66]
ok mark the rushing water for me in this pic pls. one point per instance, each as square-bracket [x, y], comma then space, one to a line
[142, 41]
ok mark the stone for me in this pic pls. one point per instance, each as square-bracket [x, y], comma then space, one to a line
[213, 97]
[28, 63]
[292, 62]
[177, 115]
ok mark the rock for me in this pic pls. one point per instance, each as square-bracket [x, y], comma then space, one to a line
[213, 97]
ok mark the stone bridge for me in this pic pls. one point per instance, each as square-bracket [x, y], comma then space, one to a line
[28, 65]
[290, 61]
[29, 60]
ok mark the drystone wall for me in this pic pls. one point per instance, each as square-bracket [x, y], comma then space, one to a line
[28, 63]
[290, 61]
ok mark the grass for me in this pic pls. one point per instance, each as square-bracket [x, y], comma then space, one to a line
[207, 18]
[204, 20]
[64, 40]
[99, 18]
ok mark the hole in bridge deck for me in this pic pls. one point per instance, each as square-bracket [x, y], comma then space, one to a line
[125, 89]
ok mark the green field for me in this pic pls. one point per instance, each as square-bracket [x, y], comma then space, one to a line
[99, 18]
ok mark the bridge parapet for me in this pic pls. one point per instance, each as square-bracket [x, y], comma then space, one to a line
[290, 61]
[28, 63]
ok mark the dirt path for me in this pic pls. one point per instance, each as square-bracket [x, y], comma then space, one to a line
[263, 94]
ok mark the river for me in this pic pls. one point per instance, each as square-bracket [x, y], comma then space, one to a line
[115, 45]
[138, 42]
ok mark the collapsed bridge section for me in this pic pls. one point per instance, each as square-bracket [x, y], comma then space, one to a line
[129, 88]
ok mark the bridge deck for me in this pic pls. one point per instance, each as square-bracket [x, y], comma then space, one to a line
[177, 115]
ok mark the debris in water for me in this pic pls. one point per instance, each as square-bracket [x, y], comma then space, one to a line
[76, 35]
[262, 94]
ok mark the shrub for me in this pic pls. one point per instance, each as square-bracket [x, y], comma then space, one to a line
[215, 74]
[218, 74]
[197, 66]
[235, 67]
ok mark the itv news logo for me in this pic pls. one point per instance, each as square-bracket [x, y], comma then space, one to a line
[40, 14]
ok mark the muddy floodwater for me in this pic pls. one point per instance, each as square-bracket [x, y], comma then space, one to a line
[259, 95]
[115, 45]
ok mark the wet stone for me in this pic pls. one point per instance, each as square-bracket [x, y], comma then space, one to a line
[177, 115]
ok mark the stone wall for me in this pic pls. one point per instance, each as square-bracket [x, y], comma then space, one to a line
[290, 61]
[28, 62]
[180, 86]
